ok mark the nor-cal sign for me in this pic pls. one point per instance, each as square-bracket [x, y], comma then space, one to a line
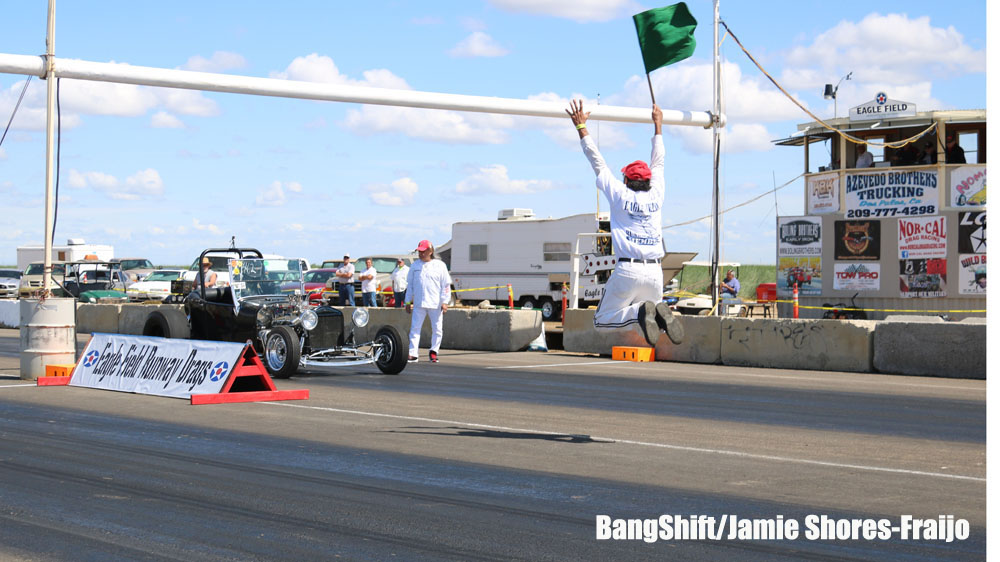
[160, 366]
[882, 108]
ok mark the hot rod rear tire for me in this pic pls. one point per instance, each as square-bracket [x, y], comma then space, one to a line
[167, 324]
[281, 352]
[392, 361]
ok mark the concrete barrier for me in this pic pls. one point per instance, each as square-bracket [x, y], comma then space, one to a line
[132, 317]
[825, 345]
[471, 329]
[92, 318]
[957, 349]
[702, 338]
[464, 328]
[10, 313]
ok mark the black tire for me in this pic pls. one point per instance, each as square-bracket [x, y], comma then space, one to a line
[528, 302]
[550, 309]
[281, 352]
[167, 324]
[392, 361]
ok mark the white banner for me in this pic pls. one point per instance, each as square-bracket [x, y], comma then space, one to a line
[799, 236]
[159, 366]
[890, 193]
[823, 193]
[972, 274]
[923, 238]
[968, 186]
[856, 276]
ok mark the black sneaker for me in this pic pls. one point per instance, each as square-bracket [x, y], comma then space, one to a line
[648, 322]
[668, 322]
[411, 359]
[434, 356]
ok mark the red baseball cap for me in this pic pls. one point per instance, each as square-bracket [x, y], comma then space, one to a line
[423, 245]
[637, 170]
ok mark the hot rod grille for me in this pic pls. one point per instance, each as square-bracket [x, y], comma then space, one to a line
[329, 331]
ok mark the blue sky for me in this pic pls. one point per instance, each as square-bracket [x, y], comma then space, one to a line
[162, 173]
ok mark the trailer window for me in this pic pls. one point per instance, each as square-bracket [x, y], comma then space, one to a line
[556, 251]
[477, 252]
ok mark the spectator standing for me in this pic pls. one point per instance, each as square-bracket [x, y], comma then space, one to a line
[398, 278]
[345, 276]
[953, 154]
[368, 284]
[865, 158]
[428, 290]
[929, 156]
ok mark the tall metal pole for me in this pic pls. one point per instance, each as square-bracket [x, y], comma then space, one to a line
[716, 112]
[50, 136]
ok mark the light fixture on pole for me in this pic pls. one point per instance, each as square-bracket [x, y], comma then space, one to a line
[830, 92]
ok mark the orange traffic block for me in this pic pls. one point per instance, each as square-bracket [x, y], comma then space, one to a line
[59, 370]
[639, 354]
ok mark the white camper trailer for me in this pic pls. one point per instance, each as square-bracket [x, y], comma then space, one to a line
[76, 249]
[533, 255]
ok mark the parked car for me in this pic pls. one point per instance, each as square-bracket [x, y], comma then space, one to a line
[156, 285]
[10, 279]
[92, 280]
[383, 264]
[285, 331]
[315, 281]
[31, 279]
[136, 268]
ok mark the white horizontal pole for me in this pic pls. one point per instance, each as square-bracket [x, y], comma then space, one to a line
[205, 81]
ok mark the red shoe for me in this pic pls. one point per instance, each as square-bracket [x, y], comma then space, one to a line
[434, 357]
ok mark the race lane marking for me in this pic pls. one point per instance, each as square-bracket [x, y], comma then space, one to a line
[17, 385]
[645, 443]
[555, 365]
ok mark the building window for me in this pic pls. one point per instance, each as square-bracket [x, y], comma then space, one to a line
[477, 252]
[556, 251]
[878, 151]
[969, 141]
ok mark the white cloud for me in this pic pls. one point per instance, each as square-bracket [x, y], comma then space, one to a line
[143, 183]
[398, 193]
[186, 102]
[576, 10]
[275, 194]
[427, 20]
[892, 49]
[494, 179]
[430, 124]
[202, 227]
[3, 154]
[164, 120]
[219, 62]
[478, 44]
[140, 185]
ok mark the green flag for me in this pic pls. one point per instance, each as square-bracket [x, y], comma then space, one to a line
[666, 35]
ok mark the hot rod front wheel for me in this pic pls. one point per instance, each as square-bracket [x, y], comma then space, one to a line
[392, 359]
[281, 352]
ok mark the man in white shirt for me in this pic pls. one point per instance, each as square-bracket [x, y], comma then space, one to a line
[428, 290]
[865, 158]
[633, 295]
[368, 284]
[345, 277]
[398, 278]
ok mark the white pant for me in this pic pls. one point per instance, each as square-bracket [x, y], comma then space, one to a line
[630, 285]
[437, 322]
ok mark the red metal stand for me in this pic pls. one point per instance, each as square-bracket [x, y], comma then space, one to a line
[249, 382]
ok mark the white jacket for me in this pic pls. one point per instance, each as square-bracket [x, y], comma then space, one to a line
[428, 285]
[398, 277]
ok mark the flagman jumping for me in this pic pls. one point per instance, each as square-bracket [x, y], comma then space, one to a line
[633, 294]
